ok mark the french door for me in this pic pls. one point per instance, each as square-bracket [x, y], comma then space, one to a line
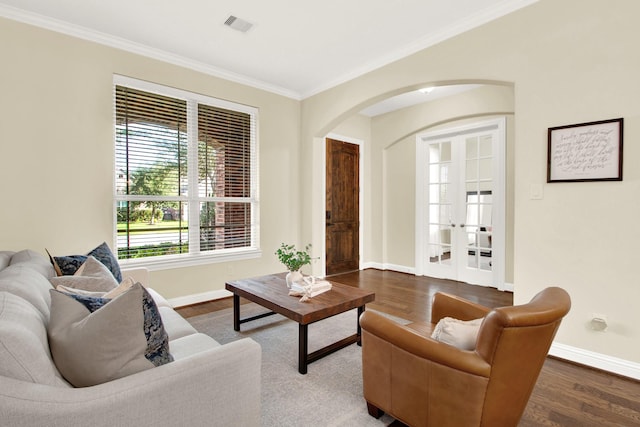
[460, 204]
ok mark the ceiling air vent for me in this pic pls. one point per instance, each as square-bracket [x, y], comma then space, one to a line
[238, 24]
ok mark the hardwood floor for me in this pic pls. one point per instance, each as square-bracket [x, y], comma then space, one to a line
[566, 394]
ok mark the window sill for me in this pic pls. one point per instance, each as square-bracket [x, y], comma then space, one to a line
[188, 260]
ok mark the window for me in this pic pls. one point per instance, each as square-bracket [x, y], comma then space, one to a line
[185, 174]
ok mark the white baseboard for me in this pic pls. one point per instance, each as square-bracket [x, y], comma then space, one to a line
[596, 360]
[400, 268]
[196, 298]
[392, 267]
[507, 287]
[375, 265]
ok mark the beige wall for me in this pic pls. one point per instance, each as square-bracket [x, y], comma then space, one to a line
[569, 61]
[56, 166]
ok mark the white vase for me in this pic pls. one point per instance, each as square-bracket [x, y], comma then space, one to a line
[293, 276]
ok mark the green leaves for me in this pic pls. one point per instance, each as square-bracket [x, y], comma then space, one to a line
[293, 259]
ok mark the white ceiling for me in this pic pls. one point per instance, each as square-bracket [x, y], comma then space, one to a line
[295, 48]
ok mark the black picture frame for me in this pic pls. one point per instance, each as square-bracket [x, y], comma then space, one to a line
[585, 152]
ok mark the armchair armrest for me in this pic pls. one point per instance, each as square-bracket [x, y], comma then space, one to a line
[445, 305]
[423, 347]
[220, 385]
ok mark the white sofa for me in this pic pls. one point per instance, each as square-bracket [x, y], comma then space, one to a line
[207, 384]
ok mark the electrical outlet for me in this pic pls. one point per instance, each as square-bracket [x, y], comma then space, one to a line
[599, 322]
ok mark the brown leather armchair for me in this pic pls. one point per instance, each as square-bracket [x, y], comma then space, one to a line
[423, 382]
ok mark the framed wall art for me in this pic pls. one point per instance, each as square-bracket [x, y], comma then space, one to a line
[585, 152]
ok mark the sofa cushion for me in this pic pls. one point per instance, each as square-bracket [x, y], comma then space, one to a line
[92, 276]
[123, 336]
[191, 345]
[25, 282]
[175, 325]
[33, 260]
[69, 264]
[24, 349]
[458, 333]
[5, 259]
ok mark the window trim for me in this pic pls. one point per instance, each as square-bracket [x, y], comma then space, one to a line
[163, 262]
[166, 262]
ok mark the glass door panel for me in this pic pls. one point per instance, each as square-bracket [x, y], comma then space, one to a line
[439, 251]
[478, 202]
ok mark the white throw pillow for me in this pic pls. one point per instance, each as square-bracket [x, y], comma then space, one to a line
[123, 287]
[95, 340]
[92, 276]
[458, 333]
[126, 284]
[68, 290]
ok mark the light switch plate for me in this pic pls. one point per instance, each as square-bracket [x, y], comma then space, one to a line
[535, 192]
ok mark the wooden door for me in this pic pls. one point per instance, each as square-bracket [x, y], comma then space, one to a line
[342, 207]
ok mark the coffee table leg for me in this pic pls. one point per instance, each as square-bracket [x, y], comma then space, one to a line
[360, 311]
[302, 348]
[236, 312]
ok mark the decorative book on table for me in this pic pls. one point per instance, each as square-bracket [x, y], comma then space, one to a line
[310, 287]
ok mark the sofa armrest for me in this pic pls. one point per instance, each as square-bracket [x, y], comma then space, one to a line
[138, 274]
[219, 386]
[445, 305]
[423, 347]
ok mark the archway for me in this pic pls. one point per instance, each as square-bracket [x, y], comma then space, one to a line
[381, 135]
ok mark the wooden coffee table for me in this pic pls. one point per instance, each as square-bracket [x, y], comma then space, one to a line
[271, 292]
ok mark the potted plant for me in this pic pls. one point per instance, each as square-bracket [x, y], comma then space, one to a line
[293, 259]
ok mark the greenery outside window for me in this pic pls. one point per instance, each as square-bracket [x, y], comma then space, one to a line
[185, 175]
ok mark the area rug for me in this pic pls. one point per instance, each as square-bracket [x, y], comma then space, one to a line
[330, 394]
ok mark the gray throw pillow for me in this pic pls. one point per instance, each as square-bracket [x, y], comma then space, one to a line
[95, 340]
[69, 264]
[92, 276]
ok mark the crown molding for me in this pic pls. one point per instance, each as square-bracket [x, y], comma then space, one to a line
[63, 27]
[139, 49]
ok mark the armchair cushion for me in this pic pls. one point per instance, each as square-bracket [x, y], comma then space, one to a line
[458, 333]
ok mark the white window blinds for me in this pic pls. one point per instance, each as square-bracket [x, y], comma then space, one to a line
[186, 173]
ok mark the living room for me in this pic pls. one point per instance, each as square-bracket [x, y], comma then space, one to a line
[548, 64]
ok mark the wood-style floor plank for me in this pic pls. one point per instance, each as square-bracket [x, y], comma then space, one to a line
[566, 394]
